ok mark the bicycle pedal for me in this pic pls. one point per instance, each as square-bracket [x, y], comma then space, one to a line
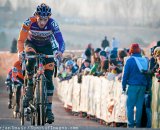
[27, 111]
[27, 118]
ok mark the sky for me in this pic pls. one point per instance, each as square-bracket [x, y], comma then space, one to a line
[86, 21]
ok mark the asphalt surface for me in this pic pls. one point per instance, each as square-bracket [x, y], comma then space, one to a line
[63, 120]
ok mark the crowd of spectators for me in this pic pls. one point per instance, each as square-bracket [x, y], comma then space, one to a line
[117, 63]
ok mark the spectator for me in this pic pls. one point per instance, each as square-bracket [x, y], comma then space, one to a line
[105, 43]
[88, 52]
[95, 62]
[137, 83]
[108, 52]
[95, 56]
[157, 68]
[115, 43]
[153, 63]
[14, 46]
[85, 64]
[113, 64]
[121, 55]
[71, 66]
[104, 63]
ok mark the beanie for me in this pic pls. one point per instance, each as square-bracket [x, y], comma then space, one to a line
[135, 48]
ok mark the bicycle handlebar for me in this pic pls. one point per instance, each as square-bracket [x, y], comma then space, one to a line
[25, 57]
[39, 56]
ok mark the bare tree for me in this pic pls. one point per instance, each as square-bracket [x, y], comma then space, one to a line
[114, 5]
[147, 6]
[128, 9]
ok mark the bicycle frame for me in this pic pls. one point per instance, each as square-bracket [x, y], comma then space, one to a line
[38, 104]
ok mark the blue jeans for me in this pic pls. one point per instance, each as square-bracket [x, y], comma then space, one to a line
[149, 117]
[135, 98]
[148, 109]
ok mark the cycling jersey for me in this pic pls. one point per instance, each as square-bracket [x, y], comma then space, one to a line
[38, 36]
[17, 75]
[18, 65]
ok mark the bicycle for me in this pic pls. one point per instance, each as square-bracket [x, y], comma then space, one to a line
[13, 89]
[8, 83]
[37, 106]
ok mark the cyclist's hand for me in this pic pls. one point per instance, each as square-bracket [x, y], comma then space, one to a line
[58, 58]
[20, 55]
[58, 54]
[7, 82]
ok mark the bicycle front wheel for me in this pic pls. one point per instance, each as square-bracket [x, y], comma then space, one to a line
[42, 86]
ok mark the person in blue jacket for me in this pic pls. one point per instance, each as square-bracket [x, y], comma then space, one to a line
[134, 82]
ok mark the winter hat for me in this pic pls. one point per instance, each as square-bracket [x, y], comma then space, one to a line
[103, 53]
[135, 48]
[97, 50]
[107, 49]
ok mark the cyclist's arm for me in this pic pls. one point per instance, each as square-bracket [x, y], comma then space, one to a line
[58, 36]
[22, 37]
[23, 34]
[9, 75]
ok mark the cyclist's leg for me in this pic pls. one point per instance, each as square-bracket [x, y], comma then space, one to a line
[48, 65]
[50, 89]
[18, 96]
[30, 50]
[10, 97]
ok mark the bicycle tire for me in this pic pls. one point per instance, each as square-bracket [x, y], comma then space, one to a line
[22, 112]
[33, 114]
[36, 103]
[42, 85]
[33, 119]
[14, 103]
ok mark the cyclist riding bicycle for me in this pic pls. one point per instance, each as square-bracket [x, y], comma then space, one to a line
[40, 34]
[15, 76]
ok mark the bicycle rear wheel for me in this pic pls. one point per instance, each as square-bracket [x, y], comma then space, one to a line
[22, 112]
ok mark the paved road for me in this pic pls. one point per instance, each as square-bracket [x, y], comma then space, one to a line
[63, 119]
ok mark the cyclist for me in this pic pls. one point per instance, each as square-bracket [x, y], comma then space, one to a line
[8, 82]
[15, 76]
[40, 34]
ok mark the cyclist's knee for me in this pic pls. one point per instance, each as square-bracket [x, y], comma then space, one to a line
[49, 67]
[30, 63]
[49, 74]
[19, 87]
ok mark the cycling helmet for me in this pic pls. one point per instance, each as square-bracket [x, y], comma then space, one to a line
[69, 63]
[14, 69]
[43, 10]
